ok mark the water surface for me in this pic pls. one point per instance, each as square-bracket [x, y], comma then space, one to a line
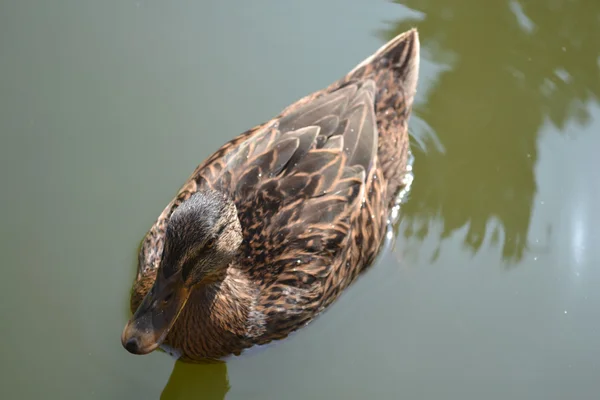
[490, 290]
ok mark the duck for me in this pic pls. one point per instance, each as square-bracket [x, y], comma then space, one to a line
[269, 230]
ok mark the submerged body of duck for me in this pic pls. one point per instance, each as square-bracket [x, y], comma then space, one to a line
[271, 228]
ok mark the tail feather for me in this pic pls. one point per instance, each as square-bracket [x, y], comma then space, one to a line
[400, 55]
[395, 70]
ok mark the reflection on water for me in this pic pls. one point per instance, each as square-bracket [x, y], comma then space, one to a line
[542, 67]
[197, 381]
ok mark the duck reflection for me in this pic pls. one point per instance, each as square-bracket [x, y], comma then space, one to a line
[197, 381]
[513, 67]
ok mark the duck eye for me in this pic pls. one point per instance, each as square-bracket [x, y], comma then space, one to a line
[209, 243]
[168, 297]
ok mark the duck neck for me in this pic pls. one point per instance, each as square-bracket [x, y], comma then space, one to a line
[220, 318]
[230, 301]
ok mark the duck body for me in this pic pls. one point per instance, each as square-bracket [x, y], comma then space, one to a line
[312, 189]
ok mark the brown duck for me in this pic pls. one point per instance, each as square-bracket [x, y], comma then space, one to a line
[270, 229]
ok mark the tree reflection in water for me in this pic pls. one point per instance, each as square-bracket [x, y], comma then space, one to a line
[513, 67]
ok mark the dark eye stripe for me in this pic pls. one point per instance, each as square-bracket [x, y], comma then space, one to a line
[168, 269]
[186, 268]
[188, 263]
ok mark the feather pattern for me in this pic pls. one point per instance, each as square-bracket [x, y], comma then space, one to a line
[313, 189]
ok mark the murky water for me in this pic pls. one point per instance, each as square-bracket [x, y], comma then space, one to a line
[490, 291]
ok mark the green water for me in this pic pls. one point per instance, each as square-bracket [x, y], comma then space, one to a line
[490, 291]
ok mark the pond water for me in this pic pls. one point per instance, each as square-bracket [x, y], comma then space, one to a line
[489, 292]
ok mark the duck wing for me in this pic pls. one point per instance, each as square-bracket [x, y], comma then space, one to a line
[308, 151]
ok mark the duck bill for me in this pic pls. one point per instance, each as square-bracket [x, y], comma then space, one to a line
[155, 316]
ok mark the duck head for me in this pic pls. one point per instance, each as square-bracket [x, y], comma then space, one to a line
[203, 235]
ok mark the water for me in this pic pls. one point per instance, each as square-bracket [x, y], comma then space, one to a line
[490, 290]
